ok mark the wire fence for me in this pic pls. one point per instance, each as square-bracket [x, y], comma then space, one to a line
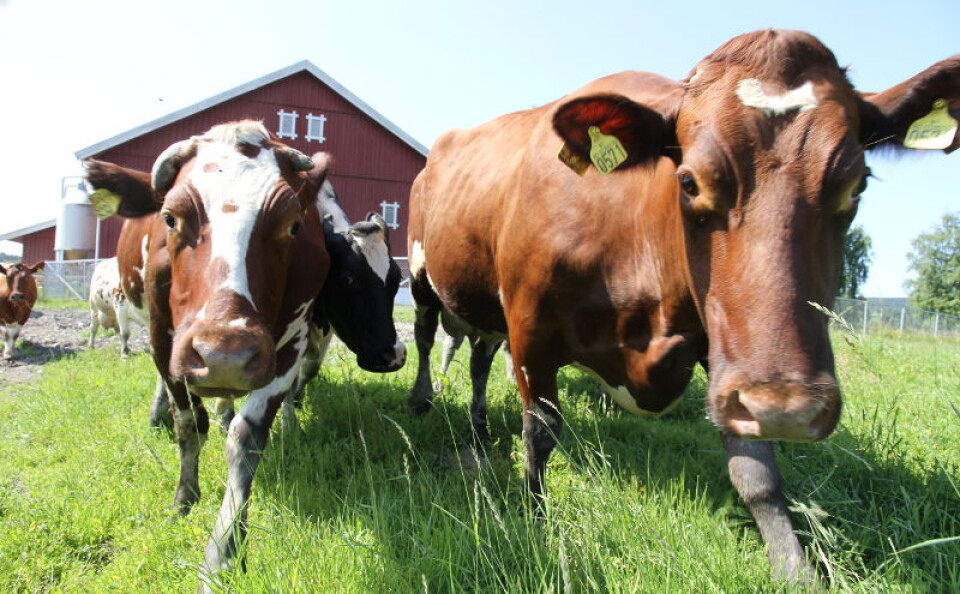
[883, 315]
[71, 280]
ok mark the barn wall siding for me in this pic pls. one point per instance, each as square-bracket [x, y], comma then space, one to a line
[370, 164]
[39, 246]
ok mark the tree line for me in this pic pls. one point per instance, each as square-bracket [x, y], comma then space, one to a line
[934, 258]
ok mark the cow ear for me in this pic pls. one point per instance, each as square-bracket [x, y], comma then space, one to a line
[379, 221]
[597, 124]
[921, 112]
[3, 269]
[37, 267]
[297, 160]
[317, 172]
[320, 167]
[168, 164]
[120, 191]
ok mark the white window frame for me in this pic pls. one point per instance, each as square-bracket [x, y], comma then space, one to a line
[390, 211]
[287, 118]
[315, 125]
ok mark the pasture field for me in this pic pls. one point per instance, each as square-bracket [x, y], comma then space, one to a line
[368, 499]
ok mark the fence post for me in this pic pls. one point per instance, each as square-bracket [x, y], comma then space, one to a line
[866, 306]
[936, 325]
[903, 316]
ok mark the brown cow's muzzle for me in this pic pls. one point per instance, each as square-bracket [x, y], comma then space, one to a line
[788, 410]
[18, 297]
[223, 361]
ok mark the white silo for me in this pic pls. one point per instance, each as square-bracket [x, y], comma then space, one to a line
[76, 236]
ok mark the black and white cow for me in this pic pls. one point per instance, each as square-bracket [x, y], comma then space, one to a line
[356, 302]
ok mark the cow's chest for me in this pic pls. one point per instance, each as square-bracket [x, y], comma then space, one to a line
[645, 382]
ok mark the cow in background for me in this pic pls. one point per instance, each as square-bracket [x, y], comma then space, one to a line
[232, 266]
[109, 306]
[692, 221]
[18, 294]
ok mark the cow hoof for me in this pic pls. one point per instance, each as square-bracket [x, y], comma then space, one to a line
[419, 407]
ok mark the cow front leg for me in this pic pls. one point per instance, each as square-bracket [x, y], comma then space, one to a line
[481, 358]
[317, 347]
[542, 423]
[160, 416]
[10, 334]
[246, 440]
[225, 412]
[424, 332]
[450, 345]
[754, 474]
[123, 327]
[94, 326]
[192, 427]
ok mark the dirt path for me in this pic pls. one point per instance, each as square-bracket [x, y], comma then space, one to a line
[52, 334]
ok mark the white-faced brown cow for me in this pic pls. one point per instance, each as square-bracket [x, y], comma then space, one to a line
[18, 294]
[720, 220]
[109, 306]
[232, 267]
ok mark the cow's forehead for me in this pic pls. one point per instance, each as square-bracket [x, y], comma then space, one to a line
[234, 182]
[747, 112]
[230, 178]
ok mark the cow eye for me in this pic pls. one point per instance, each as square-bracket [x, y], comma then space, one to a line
[169, 220]
[862, 186]
[688, 184]
[295, 228]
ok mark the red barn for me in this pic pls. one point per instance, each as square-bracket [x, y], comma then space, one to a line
[374, 161]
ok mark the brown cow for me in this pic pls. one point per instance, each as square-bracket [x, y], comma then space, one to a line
[18, 293]
[232, 267]
[720, 220]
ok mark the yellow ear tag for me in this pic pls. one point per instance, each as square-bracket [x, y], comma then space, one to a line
[606, 152]
[573, 160]
[934, 130]
[105, 203]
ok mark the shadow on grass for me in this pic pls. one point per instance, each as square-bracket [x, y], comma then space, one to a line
[856, 499]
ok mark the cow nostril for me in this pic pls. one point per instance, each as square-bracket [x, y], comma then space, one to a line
[736, 410]
[740, 417]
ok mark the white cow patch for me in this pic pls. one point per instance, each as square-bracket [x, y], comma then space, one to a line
[238, 323]
[375, 251]
[298, 327]
[418, 258]
[621, 395]
[11, 332]
[751, 93]
[234, 188]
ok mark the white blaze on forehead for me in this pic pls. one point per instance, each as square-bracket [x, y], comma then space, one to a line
[751, 93]
[233, 188]
[375, 252]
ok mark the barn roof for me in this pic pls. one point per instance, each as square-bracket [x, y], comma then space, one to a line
[304, 65]
[18, 233]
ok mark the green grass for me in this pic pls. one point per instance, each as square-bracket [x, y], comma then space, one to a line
[404, 313]
[59, 303]
[368, 499]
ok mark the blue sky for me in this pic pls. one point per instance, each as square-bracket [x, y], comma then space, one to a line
[73, 73]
